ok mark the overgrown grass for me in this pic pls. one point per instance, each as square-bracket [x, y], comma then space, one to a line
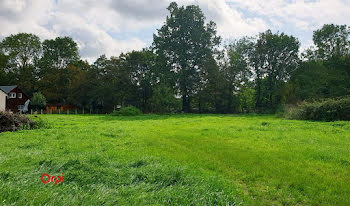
[180, 159]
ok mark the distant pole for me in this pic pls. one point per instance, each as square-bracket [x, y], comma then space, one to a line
[68, 111]
[31, 111]
[90, 111]
[83, 111]
[76, 112]
[59, 111]
[41, 111]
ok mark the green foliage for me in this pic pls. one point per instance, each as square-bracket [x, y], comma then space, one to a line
[247, 100]
[23, 49]
[332, 41]
[58, 53]
[38, 100]
[327, 110]
[272, 68]
[22, 52]
[141, 65]
[319, 80]
[39, 123]
[54, 74]
[183, 43]
[163, 100]
[127, 111]
[184, 61]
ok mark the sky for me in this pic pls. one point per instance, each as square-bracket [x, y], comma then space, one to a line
[113, 26]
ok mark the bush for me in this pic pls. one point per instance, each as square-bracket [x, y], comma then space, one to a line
[39, 123]
[13, 122]
[326, 110]
[38, 101]
[127, 111]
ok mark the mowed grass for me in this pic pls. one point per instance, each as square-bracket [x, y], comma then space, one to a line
[179, 159]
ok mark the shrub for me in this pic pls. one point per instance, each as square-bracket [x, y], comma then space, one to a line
[326, 110]
[38, 101]
[39, 123]
[127, 111]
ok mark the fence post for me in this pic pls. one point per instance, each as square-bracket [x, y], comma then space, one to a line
[50, 111]
[76, 112]
[31, 111]
[83, 111]
[59, 111]
[41, 111]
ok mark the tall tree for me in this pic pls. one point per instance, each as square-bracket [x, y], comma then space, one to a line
[141, 65]
[276, 57]
[54, 76]
[113, 85]
[238, 69]
[214, 93]
[58, 53]
[182, 43]
[23, 51]
[332, 41]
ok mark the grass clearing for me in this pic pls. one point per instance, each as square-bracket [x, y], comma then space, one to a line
[178, 159]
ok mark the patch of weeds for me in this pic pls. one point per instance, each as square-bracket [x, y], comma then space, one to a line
[45, 163]
[5, 176]
[345, 162]
[338, 125]
[110, 135]
[71, 165]
[27, 146]
[98, 161]
[138, 163]
[39, 123]
[265, 123]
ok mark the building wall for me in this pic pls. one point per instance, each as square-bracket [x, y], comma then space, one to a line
[12, 103]
[2, 101]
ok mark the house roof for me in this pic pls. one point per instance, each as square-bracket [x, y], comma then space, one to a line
[3, 92]
[7, 89]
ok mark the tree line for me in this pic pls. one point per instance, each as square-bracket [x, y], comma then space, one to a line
[187, 68]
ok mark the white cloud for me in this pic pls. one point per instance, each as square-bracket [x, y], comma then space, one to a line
[303, 14]
[87, 22]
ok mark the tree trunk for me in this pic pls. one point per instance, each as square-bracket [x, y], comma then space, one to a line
[185, 103]
[258, 93]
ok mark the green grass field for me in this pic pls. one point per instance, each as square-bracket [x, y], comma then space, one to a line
[179, 159]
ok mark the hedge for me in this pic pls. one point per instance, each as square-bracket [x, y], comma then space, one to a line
[326, 110]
